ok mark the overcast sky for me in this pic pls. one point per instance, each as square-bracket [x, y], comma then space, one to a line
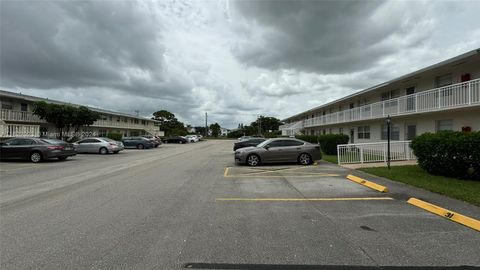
[232, 59]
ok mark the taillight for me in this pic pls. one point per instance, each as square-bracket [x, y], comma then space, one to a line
[56, 147]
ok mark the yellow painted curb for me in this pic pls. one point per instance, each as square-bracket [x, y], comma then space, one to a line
[459, 218]
[367, 183]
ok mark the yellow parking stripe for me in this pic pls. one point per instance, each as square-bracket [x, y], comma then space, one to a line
[277, 176]
[302, 199]
[366, 183]
[459, 218]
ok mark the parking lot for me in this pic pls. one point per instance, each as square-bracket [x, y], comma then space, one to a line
[191, 206]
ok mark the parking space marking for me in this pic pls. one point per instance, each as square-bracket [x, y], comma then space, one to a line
[454, 216]
[259, 173]
[303, 199]
[366, 183]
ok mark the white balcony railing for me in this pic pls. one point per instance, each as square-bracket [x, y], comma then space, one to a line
[19, 130]
[20, 116]
[29, 117]
[374, 152]
[453, 96]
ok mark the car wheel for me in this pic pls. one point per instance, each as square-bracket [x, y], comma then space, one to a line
[140, 146]
[62, 158]
[180, 142]
[253, 160]
[304, 159]
[103, 151]
[35, 157]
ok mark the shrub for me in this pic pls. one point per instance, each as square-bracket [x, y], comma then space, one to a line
[308, 138]
[453, 154]
[115, 136]
[327, 142]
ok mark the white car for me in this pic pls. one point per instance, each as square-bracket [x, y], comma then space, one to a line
[192, 138]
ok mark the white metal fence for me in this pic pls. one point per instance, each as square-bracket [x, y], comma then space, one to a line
[374, 152]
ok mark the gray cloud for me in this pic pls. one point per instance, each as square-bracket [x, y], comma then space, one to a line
[326, 36]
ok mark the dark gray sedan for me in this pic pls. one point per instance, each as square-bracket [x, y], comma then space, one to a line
[279, 150]
[35, 149]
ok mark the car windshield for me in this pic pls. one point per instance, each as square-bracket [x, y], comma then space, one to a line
[262, 144]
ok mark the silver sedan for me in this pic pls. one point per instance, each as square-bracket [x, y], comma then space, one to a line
[279, 150]
[99, 145]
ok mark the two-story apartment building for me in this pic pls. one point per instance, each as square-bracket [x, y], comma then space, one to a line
[17, 119]
[444, 96]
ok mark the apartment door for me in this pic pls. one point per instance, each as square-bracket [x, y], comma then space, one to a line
[352, 135]
[411, 131]
[410, 91]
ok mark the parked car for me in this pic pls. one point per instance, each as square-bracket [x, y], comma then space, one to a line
[175, 139]
[155, 140]
[200, 137]
[192, 138]
[279, 150]
[36, 149]
[99, 145]
[244, 138]
[247, 143]
[137, 142]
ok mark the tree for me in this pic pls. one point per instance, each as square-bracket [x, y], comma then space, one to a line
[65, 117]
[169, 123]
[215, 129]
[82, 116]
[200, 130]
[266, 123]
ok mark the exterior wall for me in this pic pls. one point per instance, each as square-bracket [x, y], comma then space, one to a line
[424, 123]
[18, 122]
[462, 115]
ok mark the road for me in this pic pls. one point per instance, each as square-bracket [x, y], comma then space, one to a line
[189, 206]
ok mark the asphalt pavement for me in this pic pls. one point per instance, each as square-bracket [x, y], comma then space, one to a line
[191, 207]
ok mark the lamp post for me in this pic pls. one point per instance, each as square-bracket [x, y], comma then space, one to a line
[388, 141]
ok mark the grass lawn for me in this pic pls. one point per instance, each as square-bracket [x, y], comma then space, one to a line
[330, 158]
[464, 190]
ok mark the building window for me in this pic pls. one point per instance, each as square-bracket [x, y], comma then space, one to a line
[324, 132]
[363, 132]
[110, 118]
[340, 130]
[443, 80]
[24, 107]
[442, 125]
[394, 132]
[144, 122]
[390, 94]
[330, 131]
[102, 133]
[7, 106]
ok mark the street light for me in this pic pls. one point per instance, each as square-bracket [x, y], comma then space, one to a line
[388, 141]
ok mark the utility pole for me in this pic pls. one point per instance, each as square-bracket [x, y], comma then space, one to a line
[259, 121]
[206, 125]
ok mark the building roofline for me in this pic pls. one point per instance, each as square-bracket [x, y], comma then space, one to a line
[4, 93]
[437, 65]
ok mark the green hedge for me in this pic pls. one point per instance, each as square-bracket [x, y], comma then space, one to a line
[115, 136]
[453, 154]
[327, 142]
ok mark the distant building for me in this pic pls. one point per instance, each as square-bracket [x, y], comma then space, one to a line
[17, 119]
[224, 132]
[444, 96]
